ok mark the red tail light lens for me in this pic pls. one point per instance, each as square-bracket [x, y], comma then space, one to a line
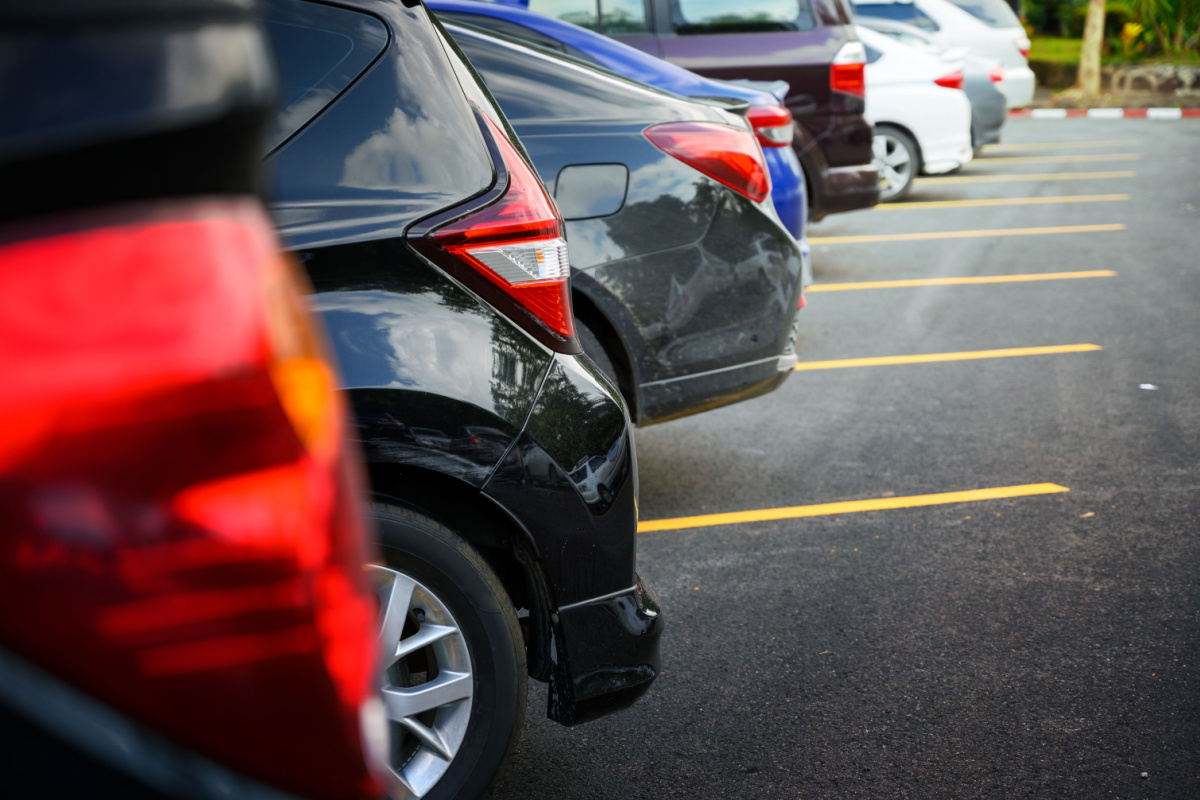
[847, 72]
[182, 534]
[996, 74]
[726, 154]
[1023, 47]
[517, 243]
[952, 81]
[772, 125]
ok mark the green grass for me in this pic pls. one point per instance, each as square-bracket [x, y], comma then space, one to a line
[1057, 50]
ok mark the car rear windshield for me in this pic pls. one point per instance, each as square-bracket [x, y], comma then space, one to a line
[750, 16]
[613, 17]
[996, 13]
[897, 12]
[320, 50]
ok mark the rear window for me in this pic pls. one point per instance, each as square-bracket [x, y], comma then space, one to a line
[750, 16]
[897, 12]
[580, 12]
[996, 13]
[504, 26]
[607, 16]
[320, 50]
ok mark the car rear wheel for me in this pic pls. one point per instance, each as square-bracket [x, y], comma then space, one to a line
[453, 659]
[594, 350]
[899, 162]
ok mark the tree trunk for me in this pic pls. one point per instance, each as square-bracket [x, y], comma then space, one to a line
[1089, 54]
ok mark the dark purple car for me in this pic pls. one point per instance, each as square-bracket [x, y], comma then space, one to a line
[811, 44]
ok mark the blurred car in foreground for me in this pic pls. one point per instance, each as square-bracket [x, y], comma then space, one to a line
[772, 121]
[503, 471]
[685, 285]
[922, 117]
[809, 44]
[183, 609]
[987, 28]
[981, 77]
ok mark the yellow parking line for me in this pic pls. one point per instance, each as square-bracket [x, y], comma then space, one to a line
[917, 237]
[849, 507]
[1003, 201]
[1042, 176]
[1058, 159]
[905, 284]
[1062, 145]
[931, 358]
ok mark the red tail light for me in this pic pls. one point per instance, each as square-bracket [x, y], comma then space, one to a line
[1023, 46]
[772, 125]
[726, 154]
[182, 537]
[952, 81]
[847, 72]
[517, 243]
[996, 74]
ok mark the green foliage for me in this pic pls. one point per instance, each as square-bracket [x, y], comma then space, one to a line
[1134, 29]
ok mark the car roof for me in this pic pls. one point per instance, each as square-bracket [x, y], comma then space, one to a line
[616, 56]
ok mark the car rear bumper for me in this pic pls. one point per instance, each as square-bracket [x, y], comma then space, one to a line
[1018, 85]
[787, 188]
[946, 155]
[690, 394]
[849, 188]
[611, 651]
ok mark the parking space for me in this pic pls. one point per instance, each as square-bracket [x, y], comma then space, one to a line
[955, 555]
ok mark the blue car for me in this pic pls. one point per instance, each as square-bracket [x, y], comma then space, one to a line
[771, 120]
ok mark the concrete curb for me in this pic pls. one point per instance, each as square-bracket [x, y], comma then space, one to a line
[1106, 113]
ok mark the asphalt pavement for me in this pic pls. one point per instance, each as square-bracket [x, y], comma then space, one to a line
[861, 628]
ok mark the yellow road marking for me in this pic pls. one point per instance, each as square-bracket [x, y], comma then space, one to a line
[849, 507]
[1004, 201]
[930, 358]
[905, 284]
[1042, 176]
[1062, 145]
[1059, 159]
[918, 237]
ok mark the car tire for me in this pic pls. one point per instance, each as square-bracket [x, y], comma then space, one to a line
[456, 602]
[899, 161]
[594, 350]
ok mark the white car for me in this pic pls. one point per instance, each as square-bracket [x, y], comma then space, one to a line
[987, 28]
[922, 116]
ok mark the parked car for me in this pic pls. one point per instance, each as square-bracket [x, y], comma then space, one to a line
[685, 285]
[922, 117]
[981, 78]
[999, 36]
[810, 44]
[771, 120]
[441, 271]
[183, 609]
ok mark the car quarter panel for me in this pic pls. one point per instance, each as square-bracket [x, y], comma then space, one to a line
[438, 379]
[574, 476]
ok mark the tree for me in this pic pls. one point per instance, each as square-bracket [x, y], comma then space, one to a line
[1088, 82]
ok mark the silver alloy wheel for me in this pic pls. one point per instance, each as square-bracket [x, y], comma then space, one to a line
[895, 164]
[427, 682]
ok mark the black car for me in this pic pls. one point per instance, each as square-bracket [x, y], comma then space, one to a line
[504, 476]
[183, 609]
[685, 284]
